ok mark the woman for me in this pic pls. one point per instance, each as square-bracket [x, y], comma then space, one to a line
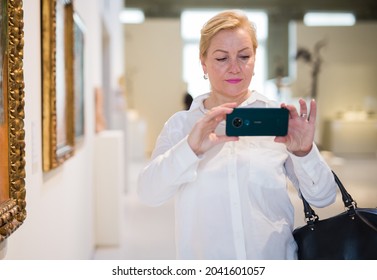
[231, 198]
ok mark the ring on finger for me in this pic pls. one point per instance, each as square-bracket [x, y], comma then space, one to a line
[303, 115]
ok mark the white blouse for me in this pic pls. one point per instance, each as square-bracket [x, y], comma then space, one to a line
[232, 202]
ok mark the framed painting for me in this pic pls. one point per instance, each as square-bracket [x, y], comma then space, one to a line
[79, 40]
[57, 82]
[12, 133]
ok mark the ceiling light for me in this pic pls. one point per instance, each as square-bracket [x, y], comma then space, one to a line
[329, 19]
[131, 16]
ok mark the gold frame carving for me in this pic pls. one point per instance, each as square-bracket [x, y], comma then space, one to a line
[13, 209]
[56, 82]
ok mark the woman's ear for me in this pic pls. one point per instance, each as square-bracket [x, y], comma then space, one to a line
[203, 63]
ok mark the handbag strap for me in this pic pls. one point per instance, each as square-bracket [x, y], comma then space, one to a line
[311, 217]
[346, 197]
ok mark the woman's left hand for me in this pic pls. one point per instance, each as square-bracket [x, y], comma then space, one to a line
[301, 128]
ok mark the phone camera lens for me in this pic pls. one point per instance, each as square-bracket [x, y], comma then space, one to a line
[237, 122]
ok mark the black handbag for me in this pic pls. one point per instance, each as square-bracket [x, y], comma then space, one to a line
[351, 235]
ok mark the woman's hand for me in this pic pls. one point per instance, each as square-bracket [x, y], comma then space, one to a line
[203, 137]
[301, 128]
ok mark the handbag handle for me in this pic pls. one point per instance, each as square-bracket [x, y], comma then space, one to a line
[311, 217]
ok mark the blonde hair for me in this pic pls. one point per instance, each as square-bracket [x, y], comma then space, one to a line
[226, 20]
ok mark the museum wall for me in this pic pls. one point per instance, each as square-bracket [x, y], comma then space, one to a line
[154, 80]
[60, 207]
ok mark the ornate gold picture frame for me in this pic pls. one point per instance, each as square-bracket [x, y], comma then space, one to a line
[57, 82]
[12, 134]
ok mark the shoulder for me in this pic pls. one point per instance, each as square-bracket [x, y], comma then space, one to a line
[178, 126]
[177, 119]
[197, 103]
[183, 120]
[187, 116]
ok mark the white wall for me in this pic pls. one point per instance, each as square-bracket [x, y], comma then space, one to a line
[60, 204]
[154, 80]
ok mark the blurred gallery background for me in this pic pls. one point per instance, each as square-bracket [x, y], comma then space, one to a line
[134, 77]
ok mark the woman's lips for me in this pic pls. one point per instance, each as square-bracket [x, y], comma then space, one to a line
[234, 81]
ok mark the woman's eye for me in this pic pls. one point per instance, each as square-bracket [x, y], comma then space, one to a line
[245, 57]
[221, 59]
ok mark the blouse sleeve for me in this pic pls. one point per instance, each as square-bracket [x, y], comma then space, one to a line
[312, 176]
[172, 165]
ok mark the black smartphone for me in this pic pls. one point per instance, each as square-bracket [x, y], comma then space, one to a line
[257, 122]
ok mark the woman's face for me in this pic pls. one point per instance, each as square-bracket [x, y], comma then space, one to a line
[230, 63]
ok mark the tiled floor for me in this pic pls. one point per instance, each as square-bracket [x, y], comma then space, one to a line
[148, 233]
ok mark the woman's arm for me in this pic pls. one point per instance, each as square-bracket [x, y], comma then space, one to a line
[313, 177]
[177, 154]
[166, 172]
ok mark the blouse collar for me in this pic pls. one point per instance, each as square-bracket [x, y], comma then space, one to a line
[255, 99]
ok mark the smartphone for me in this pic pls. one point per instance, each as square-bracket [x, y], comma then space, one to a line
[257, 122]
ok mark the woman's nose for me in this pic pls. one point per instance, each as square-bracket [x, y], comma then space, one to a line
[234, 66]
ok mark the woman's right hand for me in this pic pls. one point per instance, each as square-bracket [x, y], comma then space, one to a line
[203, 137]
